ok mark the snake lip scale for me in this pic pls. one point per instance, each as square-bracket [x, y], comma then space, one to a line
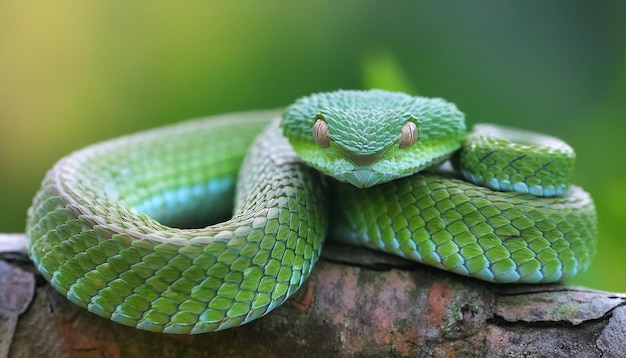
[120, 229]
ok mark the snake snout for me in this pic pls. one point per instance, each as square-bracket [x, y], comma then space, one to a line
[361, 178]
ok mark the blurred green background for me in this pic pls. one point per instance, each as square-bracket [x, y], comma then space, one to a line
[73, 73]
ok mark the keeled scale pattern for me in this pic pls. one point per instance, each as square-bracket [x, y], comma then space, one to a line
[368, 123]
[470, 230]
[515, 160]
[88, 240]
[92, 238]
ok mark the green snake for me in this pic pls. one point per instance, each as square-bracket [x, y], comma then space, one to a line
[119, 227]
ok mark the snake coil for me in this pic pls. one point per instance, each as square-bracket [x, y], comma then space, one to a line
[107, 227]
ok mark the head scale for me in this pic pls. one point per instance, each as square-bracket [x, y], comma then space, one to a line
[370, 137]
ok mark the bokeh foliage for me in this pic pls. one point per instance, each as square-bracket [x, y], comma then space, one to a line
[73, 73]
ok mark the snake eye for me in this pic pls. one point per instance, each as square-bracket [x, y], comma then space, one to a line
[320, 133]
[408, 134]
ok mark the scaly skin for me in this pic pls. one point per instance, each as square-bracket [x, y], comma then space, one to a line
[105, 227]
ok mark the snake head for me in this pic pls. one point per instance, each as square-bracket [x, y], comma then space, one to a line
[371, 137]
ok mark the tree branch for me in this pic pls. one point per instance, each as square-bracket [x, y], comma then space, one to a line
[356, 303]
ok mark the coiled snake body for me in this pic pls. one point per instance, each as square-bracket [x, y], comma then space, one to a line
[106, 226]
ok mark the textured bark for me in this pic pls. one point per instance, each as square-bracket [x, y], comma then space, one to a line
[356, 303]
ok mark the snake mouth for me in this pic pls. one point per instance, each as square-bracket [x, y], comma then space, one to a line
[362, 177]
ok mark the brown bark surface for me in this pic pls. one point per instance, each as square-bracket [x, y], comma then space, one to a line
[357, 303]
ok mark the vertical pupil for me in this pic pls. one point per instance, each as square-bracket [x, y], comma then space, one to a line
[320, 133]
[408, 134]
